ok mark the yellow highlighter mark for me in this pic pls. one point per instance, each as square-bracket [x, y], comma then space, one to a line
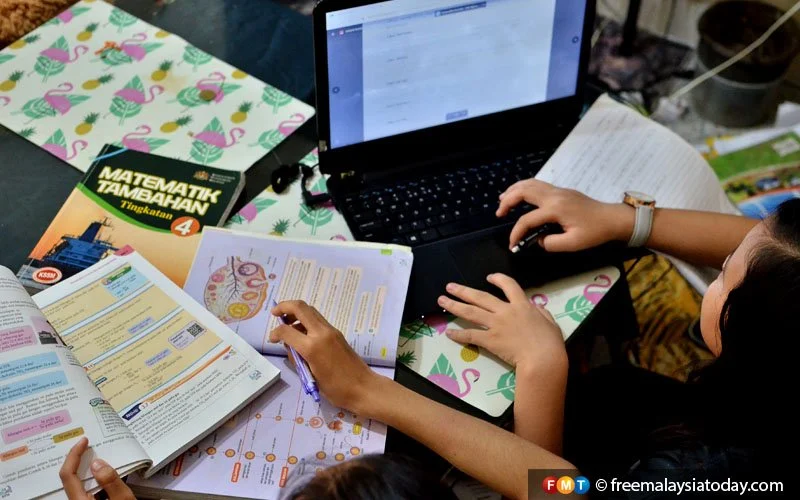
[78, 431]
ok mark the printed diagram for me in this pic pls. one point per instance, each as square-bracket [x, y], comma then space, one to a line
[236, 291]
[261, 445]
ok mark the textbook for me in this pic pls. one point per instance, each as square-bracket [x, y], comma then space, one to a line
[360, 288]
[157, 205]
[119, 354]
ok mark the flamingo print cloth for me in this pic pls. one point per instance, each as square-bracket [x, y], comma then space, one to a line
[95, 74]
[467, 372]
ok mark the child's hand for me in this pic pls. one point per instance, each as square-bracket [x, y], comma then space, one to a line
[517, 331]
[341, 375]
[586, 222]
[104, 474]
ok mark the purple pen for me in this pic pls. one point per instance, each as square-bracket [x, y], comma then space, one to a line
[303, 371]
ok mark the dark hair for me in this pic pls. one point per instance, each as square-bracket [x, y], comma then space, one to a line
[374, 477]
[745, 394]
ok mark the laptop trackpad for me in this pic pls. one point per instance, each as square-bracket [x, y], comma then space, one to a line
[480, 255]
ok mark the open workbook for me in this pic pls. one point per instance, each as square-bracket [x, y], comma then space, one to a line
[360, 288]
[119, 354]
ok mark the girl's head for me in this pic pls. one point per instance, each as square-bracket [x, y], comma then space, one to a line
[749, 319]
[371, 477]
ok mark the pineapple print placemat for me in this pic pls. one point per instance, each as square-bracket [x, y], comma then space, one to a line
[95, 74]
[467, 372]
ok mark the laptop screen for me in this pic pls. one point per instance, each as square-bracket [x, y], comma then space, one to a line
[406, 65]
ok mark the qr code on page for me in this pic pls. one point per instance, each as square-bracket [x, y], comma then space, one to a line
[195, 329]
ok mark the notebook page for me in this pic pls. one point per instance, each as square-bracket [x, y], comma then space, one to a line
[615, 149]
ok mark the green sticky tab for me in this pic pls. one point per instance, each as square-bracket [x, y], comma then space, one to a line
[386, 251]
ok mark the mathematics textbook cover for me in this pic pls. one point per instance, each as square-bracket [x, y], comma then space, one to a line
[159, 206]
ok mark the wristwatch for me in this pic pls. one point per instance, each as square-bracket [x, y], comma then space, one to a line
[645, 206]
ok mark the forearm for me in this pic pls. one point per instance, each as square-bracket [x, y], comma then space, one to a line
[539, 404]
[488, 453]
[703, 238]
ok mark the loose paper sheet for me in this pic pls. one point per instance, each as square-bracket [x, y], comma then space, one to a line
[96, 74]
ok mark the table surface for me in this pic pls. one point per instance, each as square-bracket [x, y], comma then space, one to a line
[265, 39]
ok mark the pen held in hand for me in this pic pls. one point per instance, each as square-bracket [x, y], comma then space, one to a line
[303, 371]
[535, 236]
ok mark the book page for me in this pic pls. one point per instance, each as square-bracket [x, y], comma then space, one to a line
[614, 149]
[359, 288]
[171, 370]
[254, 454]
[47, 403]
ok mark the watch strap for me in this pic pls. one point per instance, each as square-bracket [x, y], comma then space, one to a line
[642, 226]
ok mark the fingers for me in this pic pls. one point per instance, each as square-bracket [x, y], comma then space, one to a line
[300, 311]
[109, 480]
[466, 311]
[529, 221]
[529, 190]
[476, 297]
[511, 289]
[290, 336]
[474, 337]
[73, 486]
[565, 242]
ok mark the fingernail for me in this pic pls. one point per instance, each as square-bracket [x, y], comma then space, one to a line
[449, 333]
[489, 277]
[451, 287]
[502, 195]
[98, 465]
[442, 300]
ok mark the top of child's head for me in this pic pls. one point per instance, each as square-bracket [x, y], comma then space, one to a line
[369, 477]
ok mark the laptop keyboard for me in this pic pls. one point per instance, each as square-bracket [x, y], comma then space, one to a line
[446, 204]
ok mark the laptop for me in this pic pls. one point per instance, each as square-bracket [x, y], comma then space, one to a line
[429, 109]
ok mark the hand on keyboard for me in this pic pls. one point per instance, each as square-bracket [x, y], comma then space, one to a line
[586, 222]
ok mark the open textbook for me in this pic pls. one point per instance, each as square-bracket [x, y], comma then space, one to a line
[119, 354]
[614, 149]
[360, 288]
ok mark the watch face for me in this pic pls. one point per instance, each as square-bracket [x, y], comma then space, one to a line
[641, 197]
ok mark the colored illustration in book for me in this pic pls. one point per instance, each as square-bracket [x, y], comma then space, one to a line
[86, 126]
[208, 90]
[443, 375]
[240, 116]
[249, 212]
[209, 145]
[87, 33]
[6, 57]
[506, 386]
[23, 42]
[4, 101]
[237, 291]
[54, 59]
[55, 102]
[162, 72]
[138, 141]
